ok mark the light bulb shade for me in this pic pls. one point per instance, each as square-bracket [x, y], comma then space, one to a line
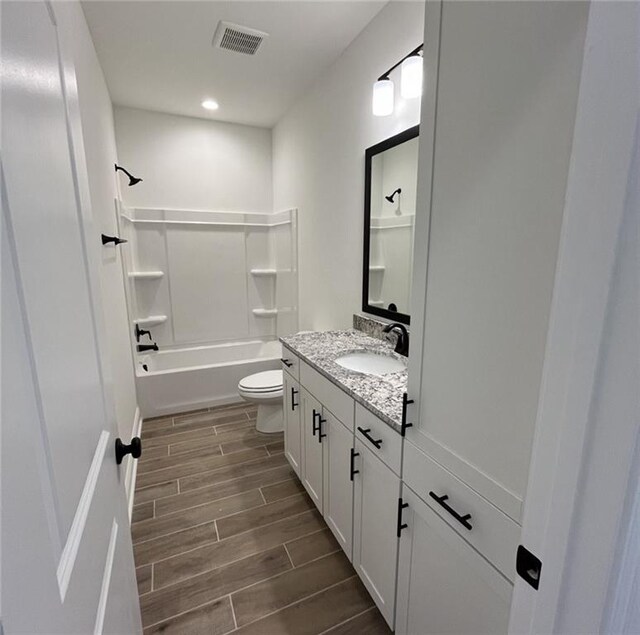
[382, 103]
[411, 77]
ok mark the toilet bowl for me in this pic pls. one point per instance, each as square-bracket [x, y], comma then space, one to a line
[265, 390]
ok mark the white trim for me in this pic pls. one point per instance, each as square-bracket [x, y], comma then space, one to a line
[132, 465]
[595, 203]
[138, 221]
[70, 551]
[106, 579]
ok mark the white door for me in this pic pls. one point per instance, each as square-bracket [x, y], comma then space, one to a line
[375, 541]
[292, 431]
[312, 447]
[67, 563]
[444, 585]
[338, 485]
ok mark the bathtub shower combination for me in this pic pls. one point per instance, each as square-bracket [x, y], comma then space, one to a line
[214, 291]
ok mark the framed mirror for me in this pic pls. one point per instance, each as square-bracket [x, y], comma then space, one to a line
[390, 184]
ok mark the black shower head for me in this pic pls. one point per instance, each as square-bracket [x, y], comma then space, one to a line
[392, 196]
[132, 179]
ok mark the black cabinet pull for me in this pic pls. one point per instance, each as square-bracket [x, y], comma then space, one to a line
[463, 520]
[401, 525]
[321, 434]
[352, 464]
[134, 449]
[368, 437]
[294, 405]
[404, 425]
[314, 427]
[286, 362]
[112, 239]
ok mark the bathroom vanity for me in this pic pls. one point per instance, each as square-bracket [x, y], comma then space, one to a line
[342, 437]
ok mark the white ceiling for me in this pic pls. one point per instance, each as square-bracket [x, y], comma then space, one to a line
[158, 55]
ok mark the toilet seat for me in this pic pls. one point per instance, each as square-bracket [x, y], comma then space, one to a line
[265, 383]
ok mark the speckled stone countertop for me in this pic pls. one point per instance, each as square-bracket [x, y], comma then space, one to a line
[382, 395]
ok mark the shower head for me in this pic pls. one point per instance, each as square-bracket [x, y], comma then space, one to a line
[132, 179]
[392, 196]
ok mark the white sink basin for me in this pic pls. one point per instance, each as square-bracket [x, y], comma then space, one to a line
[370, 363]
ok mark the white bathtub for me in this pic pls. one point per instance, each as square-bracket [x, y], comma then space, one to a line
[184, 379]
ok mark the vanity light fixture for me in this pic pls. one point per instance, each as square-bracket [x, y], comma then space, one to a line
[410, 83]
[210, 104]
[132, 179]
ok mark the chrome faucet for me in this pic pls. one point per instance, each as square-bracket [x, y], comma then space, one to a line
[402, 342]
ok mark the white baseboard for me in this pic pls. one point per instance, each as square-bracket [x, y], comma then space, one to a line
[132, 464]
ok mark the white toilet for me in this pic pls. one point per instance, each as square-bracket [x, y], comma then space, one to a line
[265, 390]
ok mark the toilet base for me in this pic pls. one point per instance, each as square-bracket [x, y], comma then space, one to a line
[270, 418]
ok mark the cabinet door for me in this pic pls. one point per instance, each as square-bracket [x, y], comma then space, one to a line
[375, 541]
[292, 429]
[444, 585]
[312, 448]
[338, 488]
[489, 280]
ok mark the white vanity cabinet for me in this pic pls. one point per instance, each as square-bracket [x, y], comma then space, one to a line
[375, 539]
[444, 585]
[292, 429]
[349, 463]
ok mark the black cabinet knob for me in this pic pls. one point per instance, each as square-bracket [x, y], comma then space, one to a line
[134, 449]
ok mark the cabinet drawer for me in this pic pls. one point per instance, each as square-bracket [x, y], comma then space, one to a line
[328, 394]
[290, 363]
[492, 533]
[388, 446]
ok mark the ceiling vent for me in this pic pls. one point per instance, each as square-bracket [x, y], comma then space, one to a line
[241, 39]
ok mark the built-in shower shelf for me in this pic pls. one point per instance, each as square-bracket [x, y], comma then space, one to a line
[266, 313]
[146, 275]
[377, 268]
[151, 320]
[263, 273]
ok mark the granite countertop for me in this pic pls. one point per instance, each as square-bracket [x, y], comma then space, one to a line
[382, 395]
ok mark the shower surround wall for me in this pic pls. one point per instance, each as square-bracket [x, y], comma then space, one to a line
[216, 290]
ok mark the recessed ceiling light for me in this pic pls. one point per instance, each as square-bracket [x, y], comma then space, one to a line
[210, 104]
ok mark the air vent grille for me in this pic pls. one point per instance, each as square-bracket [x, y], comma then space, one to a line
[239, 39]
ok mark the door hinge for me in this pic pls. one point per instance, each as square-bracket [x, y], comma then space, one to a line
[528, 567]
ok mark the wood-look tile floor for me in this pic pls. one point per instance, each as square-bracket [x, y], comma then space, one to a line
[227, 540]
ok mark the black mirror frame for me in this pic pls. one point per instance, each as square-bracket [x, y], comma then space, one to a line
[391, 142]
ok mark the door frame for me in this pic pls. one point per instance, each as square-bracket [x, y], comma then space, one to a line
[580, 332]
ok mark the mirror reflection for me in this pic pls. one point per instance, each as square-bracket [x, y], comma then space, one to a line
[390, 208]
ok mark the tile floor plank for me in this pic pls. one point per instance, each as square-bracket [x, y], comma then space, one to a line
[315, 614]
[309, 548]
[143, 578]
[370, 622]
[281, 490]
[167, 461]
[171, 504]
[291, 586]
[154, 527]
[183, 566]
[197, 590]
[215, 618]
[155, 492]
[143, 511]
[264, 515]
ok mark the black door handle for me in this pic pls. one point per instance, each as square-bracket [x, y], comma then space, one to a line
[294, 405]
[112, 239]
[401, 525]
[318, 428]
[352, 464]
[368, 437]
[314, 427]
[134, 449]
[286, 362]
[463, 520]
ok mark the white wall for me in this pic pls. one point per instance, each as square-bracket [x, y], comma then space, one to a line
[100, 151]
[189, 163]
[318, 163]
